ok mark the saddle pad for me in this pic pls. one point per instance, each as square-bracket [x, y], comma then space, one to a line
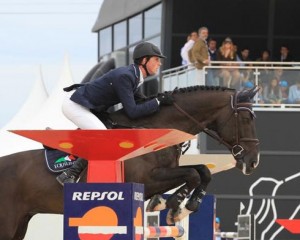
[58, 161]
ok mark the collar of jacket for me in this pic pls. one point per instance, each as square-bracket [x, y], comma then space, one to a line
[136, 70]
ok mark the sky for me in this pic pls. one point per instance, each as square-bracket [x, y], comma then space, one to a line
[38, 34]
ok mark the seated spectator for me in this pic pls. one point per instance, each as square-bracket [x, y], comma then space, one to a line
[248, 85]
[294, 92]
[259, 96]
[284, 88]
[272, 93]
[212, 78]
[265, 72]
[226, 53]
[212, 49]
[244, 56]
[285, 55]
[265, 56]
[192, 37]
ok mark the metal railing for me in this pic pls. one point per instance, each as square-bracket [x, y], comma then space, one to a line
[241, 75]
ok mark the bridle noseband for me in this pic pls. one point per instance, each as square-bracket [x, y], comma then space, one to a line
[237, 150]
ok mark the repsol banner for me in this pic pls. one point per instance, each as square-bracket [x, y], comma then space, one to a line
[103, 211]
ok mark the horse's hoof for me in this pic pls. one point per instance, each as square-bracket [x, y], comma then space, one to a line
[181, 214]
[156, 203]
[170, 217]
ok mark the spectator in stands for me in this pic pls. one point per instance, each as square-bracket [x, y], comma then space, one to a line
[294, 92]
[218, 228]
[244, 56]
[192, 37]
[284, 88]
[212, 49]
[199, 54]
[264, 76]
[212, 78]
[248, 85]
[259, 97]
[285, 55]
[226, 53]
[272, 93]
[265, 56]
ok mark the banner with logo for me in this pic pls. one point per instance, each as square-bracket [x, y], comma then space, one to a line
[103, 211]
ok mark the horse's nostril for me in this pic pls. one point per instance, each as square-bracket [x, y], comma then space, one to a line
[254, 164]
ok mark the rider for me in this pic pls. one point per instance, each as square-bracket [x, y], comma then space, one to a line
[120, 85]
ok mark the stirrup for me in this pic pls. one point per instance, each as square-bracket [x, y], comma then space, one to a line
[65, 178]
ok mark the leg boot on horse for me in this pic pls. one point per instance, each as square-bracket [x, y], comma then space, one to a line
[72, 174]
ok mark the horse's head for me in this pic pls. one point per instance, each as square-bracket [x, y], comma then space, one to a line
[238, 131]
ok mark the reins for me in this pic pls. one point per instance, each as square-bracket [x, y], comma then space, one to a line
[236, 149]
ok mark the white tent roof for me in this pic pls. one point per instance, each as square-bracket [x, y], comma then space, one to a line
[41, 114]
[32, 105]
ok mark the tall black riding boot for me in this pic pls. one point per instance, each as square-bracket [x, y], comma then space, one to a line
[72, 174]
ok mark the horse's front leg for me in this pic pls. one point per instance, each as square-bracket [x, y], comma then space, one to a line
[195, 200]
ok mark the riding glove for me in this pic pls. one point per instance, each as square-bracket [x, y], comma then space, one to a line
[165, 99]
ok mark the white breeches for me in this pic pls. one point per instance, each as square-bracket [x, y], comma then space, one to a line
[79, 115]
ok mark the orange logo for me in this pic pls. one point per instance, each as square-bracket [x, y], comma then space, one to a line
[101, 223]
[98, 223]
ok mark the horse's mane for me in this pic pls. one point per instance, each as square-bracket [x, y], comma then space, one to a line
[243, 96]
[200, 88]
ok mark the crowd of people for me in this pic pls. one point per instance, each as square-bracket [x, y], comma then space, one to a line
[276, 85]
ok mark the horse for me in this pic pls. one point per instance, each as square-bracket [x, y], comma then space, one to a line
[28, 188]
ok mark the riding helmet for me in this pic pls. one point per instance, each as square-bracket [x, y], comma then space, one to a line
[146, 49]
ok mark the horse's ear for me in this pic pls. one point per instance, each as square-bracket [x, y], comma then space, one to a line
[253, 91]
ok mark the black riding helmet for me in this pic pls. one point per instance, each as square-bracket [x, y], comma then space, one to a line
[148, 50]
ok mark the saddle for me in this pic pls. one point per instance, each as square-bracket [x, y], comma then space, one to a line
[57, 161]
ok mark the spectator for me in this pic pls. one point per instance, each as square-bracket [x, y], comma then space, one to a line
[247, 73]
[212, 49]
[192, 37]
[226, 53]
[294, 92]
[218, 228]
[285, 55]
[272, 93]
[248, 85]
[259, 96]
[284, 88]
[199, 54]
[212, 78]
[244, 56]
[265, 56]
[264, 76]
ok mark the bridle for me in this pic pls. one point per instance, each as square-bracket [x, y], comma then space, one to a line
[237, 150]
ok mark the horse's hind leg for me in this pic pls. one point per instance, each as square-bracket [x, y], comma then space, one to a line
[169, 178]
[199, 192]
[22, 227]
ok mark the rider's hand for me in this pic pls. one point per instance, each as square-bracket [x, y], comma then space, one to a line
[165, 99]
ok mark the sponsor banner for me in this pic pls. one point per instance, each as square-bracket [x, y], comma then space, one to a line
[103, 211]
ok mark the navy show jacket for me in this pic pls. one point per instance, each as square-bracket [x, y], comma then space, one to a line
[117, 86]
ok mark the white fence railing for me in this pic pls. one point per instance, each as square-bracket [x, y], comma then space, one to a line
[279, 82]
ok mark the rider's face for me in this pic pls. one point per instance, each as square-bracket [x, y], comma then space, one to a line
[153, 65]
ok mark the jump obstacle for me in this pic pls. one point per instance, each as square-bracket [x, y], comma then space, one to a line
[164, 231]
[109, 169]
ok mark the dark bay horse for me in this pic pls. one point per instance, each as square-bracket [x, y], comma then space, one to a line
[28, 188]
